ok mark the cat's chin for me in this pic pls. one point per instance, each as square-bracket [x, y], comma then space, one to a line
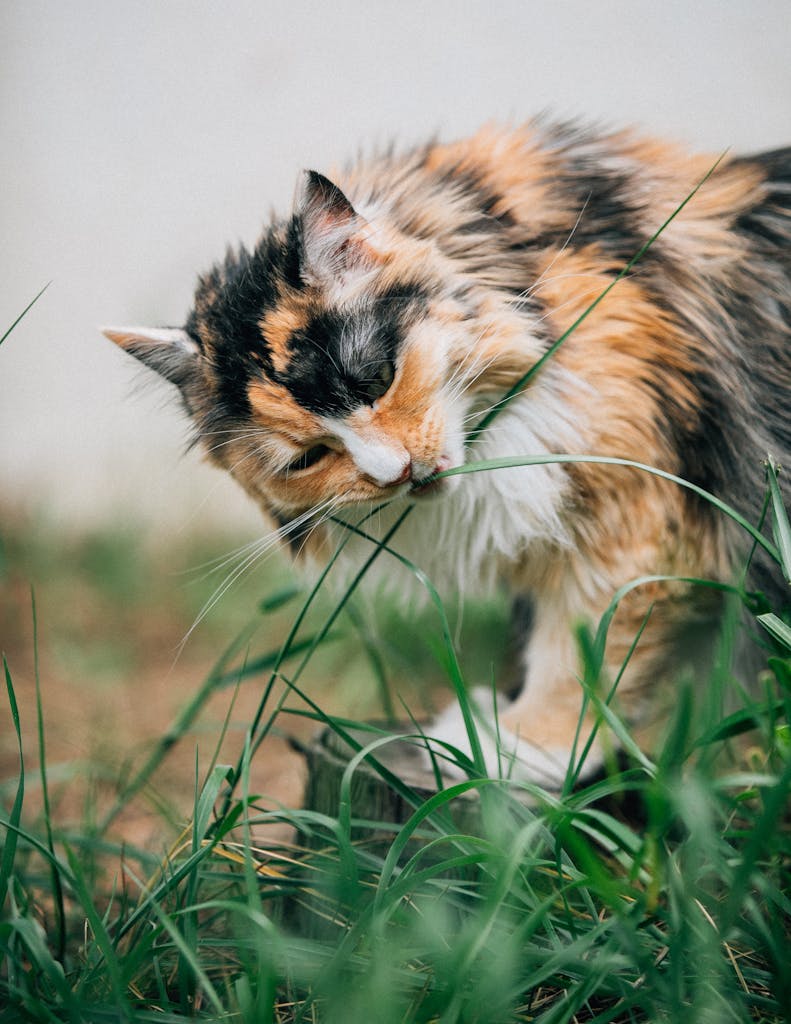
[433, 490]
[432, 487]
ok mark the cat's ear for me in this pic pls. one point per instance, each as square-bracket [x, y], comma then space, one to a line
[335, 238]
[168, 350]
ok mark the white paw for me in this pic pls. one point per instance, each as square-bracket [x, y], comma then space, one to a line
[505, 754]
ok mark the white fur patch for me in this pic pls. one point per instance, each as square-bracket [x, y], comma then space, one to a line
[377, 456]
[505, 754]
[466, 538]
[167, 337]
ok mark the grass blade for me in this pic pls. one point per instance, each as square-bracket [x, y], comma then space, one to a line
[57, 888]
[27, 308]
[774, 624]
[100, 936]
[10, 844]
[780, 523]
[207, 799]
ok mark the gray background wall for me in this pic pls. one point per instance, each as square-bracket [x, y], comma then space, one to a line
[140, 138]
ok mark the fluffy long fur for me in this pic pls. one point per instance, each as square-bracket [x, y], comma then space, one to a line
[345, 361]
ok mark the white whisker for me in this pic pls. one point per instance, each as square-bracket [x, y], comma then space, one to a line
[253, 553]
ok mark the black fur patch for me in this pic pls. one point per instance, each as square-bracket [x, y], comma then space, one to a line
[768, 225]
[229, 304]
[707, 454]
[335, 360]
[483, 217]
[338, 355]
[605, 213]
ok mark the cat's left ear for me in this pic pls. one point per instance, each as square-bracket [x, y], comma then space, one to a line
[168, 350]
[336, 240]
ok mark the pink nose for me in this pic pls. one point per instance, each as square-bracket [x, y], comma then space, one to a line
[404, 477]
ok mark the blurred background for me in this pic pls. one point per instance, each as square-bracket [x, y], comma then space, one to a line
[139, 140]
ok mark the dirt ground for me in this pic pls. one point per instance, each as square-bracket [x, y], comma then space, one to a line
[111, 613]
[113, 606]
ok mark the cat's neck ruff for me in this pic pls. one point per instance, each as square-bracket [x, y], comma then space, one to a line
[485, 528]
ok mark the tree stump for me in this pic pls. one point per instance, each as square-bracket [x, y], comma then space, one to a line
[321, 909]
[372, 799]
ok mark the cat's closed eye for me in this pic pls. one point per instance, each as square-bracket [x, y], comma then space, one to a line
[378, 384]
[308, 458]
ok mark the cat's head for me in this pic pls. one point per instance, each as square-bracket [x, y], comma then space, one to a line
[325, 368]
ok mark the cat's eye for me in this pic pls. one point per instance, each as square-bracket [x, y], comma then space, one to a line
[379, 383]
[308, 458]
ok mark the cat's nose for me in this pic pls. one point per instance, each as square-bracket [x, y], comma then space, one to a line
[405, 477]
[394, 476]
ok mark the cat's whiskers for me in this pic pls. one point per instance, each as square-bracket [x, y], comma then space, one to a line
[335, 503]
[460, 375]
[457, 384]
[543, 281]
[310, 520]
[227, 430]
[468, 382]
[478, 414]
[257, 550]
[214, 565]
[238, 437]
[255, 452]
[460, 369]
[460, 381]
[556, 309]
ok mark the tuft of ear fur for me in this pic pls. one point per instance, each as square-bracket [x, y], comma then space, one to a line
[334, 242]
[170, 351]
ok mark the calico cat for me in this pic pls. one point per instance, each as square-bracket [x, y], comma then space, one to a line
[343, 365]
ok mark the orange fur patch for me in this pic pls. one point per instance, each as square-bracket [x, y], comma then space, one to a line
[276, 408]
[628, 349]
[507, 164]
[279, 324]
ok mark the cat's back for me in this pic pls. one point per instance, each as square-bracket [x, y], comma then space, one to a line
[544, 184]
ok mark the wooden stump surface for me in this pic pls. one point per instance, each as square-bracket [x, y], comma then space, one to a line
[372, 799]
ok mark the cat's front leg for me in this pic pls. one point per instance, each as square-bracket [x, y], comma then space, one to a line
[530, 738]
[536, 736]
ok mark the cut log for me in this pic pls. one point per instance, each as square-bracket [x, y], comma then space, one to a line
[372, 798]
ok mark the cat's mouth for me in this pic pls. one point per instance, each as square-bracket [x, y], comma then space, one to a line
[423, 488]
[431, 485]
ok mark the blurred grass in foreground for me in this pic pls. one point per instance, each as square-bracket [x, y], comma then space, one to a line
[660, 892]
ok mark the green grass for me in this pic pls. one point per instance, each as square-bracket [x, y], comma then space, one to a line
[659, 892]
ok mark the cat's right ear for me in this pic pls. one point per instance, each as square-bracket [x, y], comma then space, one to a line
[170, 351]
[335, 238]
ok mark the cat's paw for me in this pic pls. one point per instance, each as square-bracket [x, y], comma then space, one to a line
[506, 754]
